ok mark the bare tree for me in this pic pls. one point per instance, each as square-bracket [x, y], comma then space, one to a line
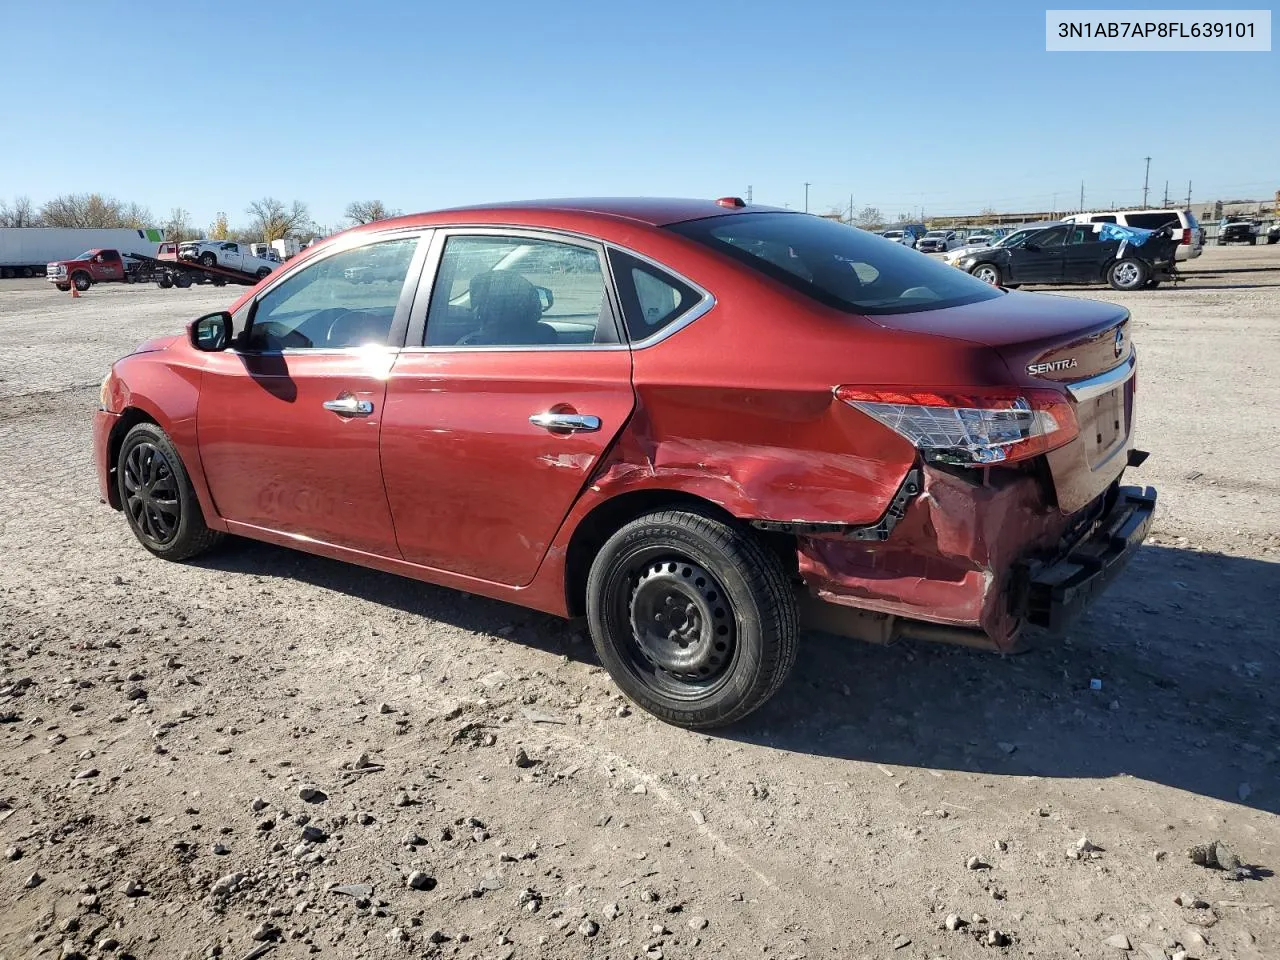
[179, 226]
[218, 230]
[136, 216]
[869, 218]
[93, 210]
[368, 211]
[21, 213]
[270, 219]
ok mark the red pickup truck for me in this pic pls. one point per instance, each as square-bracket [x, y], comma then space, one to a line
[92, 266]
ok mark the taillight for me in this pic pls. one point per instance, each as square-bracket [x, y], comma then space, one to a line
[1186, 236]
[976, 428]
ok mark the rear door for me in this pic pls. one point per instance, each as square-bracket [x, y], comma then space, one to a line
[1040, 258]
[517, 383]
[1086, 255]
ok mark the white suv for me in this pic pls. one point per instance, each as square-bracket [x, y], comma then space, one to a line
[1191, 243]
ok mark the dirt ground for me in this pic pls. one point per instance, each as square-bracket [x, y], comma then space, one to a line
[259, 753]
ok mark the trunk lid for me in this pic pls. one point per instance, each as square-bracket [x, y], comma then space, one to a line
[1051, 341]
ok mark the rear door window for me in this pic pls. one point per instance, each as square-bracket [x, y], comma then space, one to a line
[652, 299]
[837, 265]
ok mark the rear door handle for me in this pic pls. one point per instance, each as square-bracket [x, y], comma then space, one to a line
[349, 406]
[566, 422]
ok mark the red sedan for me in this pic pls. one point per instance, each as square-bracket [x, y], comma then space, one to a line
[696, 423]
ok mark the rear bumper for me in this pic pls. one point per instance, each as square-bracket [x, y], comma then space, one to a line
[103, 424]
[1052, 593]
[981, 561]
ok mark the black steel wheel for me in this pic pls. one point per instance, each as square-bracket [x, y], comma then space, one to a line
[692, 616]
[157, 497]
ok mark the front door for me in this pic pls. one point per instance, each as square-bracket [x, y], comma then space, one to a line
[1039, 259]
[289, 419]
[495, 423]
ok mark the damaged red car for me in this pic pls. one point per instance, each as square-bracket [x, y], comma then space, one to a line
[698, 424]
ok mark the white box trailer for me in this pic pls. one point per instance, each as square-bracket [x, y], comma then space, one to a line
[24, 251]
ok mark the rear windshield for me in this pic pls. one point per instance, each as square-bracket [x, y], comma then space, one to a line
[838, 265]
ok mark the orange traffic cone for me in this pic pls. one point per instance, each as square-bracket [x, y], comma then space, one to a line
[75, 291]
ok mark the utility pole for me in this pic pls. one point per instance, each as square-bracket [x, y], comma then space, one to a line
[748, 193]
[851, 208]
[806, 196]
[1188, 194]
[1055, 203]
[1081, 196]
[1145, 177]
[1166, 194]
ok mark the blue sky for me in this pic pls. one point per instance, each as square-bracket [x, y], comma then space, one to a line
[946, 106]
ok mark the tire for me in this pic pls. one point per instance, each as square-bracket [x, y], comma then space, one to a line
[987, 273]
[159, 502]
[263, 273]
[64, 287]
[208, 259]
[1253, 241]
[27, 273]
[182, 281]
[1153, 284]
[716, 586]
[1128, 274]
[165, 282]
[82, 281]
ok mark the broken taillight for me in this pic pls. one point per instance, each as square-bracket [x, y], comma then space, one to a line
[976, 428]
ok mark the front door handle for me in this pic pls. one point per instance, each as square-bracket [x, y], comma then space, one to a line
[349, 406]
[566, 422]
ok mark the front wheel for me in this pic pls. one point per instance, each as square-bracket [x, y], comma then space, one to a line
[263, 273]
[1128, 274]
[987, 273]
[158, 498]
[693, 618]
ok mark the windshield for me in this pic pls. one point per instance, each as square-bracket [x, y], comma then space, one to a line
[834, 264]
[892, 234]
[936, 234]
[87, 255]
[1015, 239]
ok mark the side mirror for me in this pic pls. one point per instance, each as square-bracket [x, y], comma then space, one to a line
[212, 332]
[546, 298]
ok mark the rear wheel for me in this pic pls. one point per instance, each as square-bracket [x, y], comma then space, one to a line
[182, 281]
[165, 282]
[1128, 274]
[693, 618]
[158, 498]
[208, 259]
[987, 273]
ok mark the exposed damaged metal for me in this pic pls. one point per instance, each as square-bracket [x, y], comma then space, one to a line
[878, 532]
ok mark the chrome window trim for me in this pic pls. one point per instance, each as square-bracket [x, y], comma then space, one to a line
[1082, 390]
[699, 309]
[516, 348]
[380, 348]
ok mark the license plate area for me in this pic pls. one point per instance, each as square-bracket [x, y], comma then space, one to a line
[1104, 424]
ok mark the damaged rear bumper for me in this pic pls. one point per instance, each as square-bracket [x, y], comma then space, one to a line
[971, 563]
[1051, 594]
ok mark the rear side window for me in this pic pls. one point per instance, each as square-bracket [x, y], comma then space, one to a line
[1152, 221]
[838, 265]
[1107, 218]
[652, 299]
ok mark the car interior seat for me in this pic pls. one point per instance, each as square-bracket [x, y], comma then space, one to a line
[507, 310]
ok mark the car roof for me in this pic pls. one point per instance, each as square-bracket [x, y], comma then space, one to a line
[651, 211]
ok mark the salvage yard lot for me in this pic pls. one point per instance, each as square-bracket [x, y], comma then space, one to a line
[146, 705]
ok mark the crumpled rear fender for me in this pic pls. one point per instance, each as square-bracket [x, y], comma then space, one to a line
[949, 560]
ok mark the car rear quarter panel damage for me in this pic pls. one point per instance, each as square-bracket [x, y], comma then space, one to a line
[949, 560]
